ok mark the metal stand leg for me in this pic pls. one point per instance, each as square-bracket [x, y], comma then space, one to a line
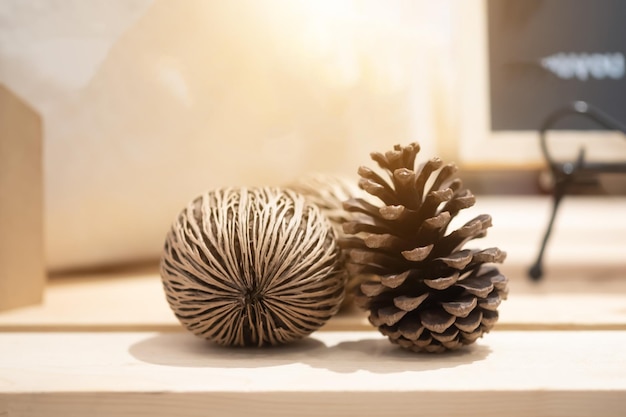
[536, 271]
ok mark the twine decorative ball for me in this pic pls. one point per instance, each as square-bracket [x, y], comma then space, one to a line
[252, 267]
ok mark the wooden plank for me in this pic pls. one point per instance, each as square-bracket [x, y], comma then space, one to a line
[315, 404]
[134, 301]
[22, 274]
[332, 373]
[589, 233]
[585, 285]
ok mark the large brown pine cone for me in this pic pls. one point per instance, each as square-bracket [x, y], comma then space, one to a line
[425, 292]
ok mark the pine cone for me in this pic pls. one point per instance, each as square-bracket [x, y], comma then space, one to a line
[328, 192]
[425, 292]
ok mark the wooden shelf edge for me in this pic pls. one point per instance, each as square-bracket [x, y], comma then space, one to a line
[314, 404]
[557, 373]
[357, 324]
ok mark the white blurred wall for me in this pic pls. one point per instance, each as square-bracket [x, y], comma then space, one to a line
[147, 103]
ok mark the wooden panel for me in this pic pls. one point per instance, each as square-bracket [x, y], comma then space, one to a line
[22, 277]
[314, 404]
[585, 285]
[333, 373]
[134, 301]
[72, 360]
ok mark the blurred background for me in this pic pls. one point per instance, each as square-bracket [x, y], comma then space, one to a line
[147, 103]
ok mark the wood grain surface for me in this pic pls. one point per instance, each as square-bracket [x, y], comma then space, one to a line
[331, 373]
[105, 343]
[133, 300]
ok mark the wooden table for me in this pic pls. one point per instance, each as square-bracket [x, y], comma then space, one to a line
[106, 343]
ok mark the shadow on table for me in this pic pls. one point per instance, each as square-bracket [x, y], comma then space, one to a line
[376, 355]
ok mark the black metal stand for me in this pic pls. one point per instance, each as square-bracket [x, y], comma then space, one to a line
[567, 173]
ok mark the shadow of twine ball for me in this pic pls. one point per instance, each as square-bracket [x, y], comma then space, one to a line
[252, 267]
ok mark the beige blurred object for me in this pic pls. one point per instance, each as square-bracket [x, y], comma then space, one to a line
[22, 276]
[162, 100]
[329, 192]
[469, 139]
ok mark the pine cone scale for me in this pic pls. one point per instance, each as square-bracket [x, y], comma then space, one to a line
[411, 329]
[407, 303]
[437, 321]
[371, 289]
[425, 171]
[462, 307]
[424, 342]
[394, 280]
[443, 282]
[471, 230]
[471, 337]
[489, 318]
[390, 315]
[460, 203]
[395, 212]
[432, 201]
[444, 174]
[418, 254]
[457, 260]
[377, 190]
[449, 335]
[478, 286]
[368, 224]
[471, 322]
[371, 175]
[384, 241]
[489, 255]
[438, 222]
[491, 302]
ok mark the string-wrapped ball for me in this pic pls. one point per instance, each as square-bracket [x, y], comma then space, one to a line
[252, 266]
